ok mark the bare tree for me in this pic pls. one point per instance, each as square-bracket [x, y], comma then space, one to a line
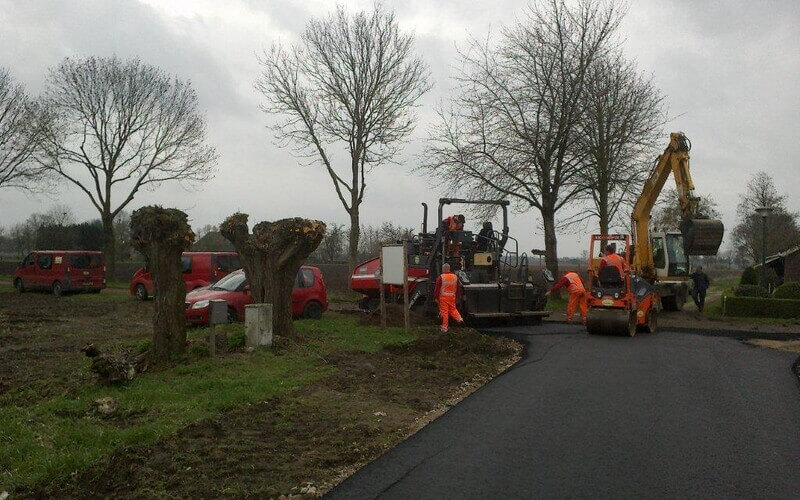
[783, 226]
[116, 127]
[512, 128]
[619, 132]
[20, 132]
[351, 82]
[668, 214]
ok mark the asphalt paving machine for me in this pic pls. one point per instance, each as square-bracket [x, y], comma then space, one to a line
[658, 271]
[497, 284]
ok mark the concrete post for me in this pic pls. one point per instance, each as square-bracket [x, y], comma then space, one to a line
[258, 324]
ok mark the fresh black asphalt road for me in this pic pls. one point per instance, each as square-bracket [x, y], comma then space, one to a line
[666, 415]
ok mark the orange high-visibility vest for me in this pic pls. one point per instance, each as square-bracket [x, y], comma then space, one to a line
[616, 261]
[575, 283]
[449, 285]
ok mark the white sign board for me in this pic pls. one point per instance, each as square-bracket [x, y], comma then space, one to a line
[393, 265]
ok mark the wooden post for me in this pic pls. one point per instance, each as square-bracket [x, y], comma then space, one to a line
[383, 299]
[406, 313]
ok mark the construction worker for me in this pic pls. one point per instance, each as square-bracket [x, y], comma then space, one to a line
[445, 293]
[701, 282]
[486, 240]
[612, 259]
[450, 224]
[577, 294]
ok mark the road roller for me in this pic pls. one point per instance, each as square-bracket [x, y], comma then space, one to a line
[619, 303]
[657, 270]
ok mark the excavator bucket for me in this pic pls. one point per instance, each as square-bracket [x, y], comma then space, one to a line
[702, 236]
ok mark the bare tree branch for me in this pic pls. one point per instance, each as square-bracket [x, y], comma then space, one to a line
[117, 126]
[352, 80]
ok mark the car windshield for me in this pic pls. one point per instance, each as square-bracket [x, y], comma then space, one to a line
[230, 283]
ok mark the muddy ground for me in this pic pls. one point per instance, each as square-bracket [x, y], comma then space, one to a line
[317, 435]
[40, 334]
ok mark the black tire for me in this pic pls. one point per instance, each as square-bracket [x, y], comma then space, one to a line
[313, 310]
[652, 322]
[58, 290]
[233, 317]
[18, 286]
[632, 324]
[141, 292]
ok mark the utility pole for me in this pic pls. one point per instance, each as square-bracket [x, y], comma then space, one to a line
[764, 213]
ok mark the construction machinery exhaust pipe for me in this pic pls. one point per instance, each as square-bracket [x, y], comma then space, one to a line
[702, 236]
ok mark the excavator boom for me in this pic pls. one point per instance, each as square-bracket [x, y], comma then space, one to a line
[701, 235]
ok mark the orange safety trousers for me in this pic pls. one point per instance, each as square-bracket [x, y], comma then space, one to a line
[447, 308]
[576, 299]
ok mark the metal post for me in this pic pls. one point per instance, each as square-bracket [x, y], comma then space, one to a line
[764, 252]
[406, 315]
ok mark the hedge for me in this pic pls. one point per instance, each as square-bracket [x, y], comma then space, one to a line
[760, 307]
[750, 291]
[789, 290]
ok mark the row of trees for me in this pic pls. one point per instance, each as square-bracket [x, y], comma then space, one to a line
[57, 228]
[549, 114]
[107, 126]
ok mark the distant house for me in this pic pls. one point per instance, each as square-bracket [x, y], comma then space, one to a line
[786, 264]
[213, 241]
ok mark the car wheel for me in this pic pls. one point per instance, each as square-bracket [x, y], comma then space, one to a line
[313, 310]
[57, 290]
[18, 286]
[232, 316]
[141, 292]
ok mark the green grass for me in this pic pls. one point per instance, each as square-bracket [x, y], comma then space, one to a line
[119, 285]
[102, 297]
[558, 305]
[54, 438]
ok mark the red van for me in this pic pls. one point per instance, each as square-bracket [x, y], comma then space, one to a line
[61, 271]
[199, 269]
[309, 296]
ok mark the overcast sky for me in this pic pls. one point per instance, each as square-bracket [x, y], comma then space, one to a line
[730, 70]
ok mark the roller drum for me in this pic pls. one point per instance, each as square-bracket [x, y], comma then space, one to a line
[610, 322]
[702, 236]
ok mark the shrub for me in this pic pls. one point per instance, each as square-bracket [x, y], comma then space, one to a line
[750, 291]
[761, 307]
[749, 277]
[236, 341]
[789, 290]
[144, 346]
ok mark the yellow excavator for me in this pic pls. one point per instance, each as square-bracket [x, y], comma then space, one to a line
[658, 262]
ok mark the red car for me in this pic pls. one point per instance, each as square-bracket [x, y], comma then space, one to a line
[309, 296]
[61, 271]
[199, 269]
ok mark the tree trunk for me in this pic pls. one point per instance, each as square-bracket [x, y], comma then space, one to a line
[271, 257]
[161, 235]
[602, 211]
[355, 234]
[550, 241]
[109, 246]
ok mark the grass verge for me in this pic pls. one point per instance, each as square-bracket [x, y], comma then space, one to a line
[47, 441]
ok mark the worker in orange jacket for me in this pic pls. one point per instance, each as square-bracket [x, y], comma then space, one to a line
[612, 258]
[446, 293]
[450, 224]
[577, 294]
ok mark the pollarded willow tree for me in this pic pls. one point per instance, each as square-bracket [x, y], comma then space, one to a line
[118, 126]
[271, 257]
[618, 137]
[352, 82]
[161, 235]
[512, 127]
[20, 133]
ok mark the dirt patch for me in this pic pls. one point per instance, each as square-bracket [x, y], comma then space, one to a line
[41, 337]
[780, 345]
[394, 317]
[318, 435]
